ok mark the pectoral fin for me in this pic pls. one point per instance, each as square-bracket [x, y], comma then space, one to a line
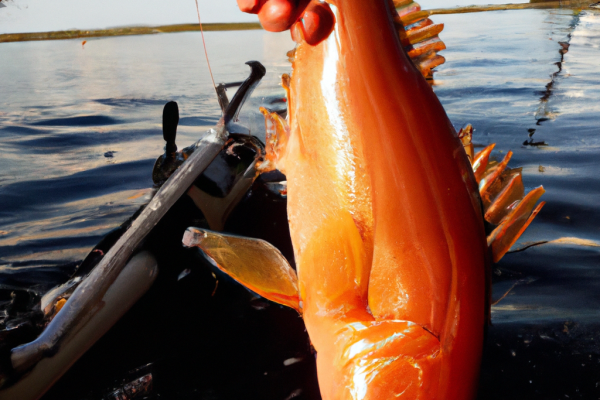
[254, 263]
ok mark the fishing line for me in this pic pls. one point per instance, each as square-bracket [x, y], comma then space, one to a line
[205, 52]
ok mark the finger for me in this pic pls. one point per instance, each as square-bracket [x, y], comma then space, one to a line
[250, 6]
[317, 22]
[280, 15]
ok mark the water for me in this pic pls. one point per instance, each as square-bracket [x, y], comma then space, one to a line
[506, 74]
[508, 80]
[80, 129]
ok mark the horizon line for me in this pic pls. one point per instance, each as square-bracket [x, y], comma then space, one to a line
[240, 26]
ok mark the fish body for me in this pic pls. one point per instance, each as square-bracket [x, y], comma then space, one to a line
[386, 204]
[385, 209]
[385, 218]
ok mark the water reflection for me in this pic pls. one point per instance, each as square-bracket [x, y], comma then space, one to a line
[508, 107]
[80, 127]
[544, 113]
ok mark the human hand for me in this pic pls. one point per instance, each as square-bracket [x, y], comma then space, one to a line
[310, 20]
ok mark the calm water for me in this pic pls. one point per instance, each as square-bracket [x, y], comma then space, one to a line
[80, 130]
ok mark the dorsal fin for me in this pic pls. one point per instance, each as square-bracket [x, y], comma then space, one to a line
[419, 35]
[277, 132]
[254, 263]
[489, 182]
[466, 138]
[505, 204]
[480, 161]
[514, 224]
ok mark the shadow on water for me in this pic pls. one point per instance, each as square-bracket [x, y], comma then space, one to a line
[197, 121]
[65, 142]
[86, 120]
[23, 196]
[22, 130]
[131, 102]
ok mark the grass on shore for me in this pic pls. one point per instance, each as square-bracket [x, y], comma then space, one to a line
[140, 30]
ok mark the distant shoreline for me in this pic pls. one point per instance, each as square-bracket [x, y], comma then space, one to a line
[136, 30]
[534, 4]
[148, 30]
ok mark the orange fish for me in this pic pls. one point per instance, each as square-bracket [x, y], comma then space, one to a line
[385, 206]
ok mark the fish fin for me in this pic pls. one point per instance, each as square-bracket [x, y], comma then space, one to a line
[276, 138]
[515, 223]
[286, 84]
[502, 195]
[254, 263]
[498, 186]
[277, 131]
[286, 79]
[513, 190]
[419, 36]
[492, 175]
[466, 135]
[481, 160]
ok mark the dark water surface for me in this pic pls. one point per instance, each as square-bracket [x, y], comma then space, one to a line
[509, 75]
[80, 130]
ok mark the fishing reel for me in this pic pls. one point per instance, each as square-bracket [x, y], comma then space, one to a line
[167, 163]
[221, 186]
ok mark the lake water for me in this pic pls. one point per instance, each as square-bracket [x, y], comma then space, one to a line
[80, 130]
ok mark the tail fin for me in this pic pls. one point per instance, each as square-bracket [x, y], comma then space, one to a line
[505, 204]
[419, 36]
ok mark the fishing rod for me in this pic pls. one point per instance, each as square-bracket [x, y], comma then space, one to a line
[205, 51]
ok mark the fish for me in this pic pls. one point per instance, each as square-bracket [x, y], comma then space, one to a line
[395, 222]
